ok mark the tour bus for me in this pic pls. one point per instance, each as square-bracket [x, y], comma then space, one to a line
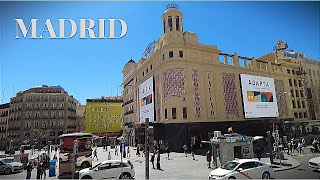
[70, 162]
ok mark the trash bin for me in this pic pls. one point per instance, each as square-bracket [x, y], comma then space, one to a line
[52, 168]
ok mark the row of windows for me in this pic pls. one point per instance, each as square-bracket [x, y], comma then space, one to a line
[45, 98]
[44, 106]
[170, 24]
[297, 104]
[300, 115]
[4, 113]
[174, 113]
[295, 82]
[292, 71]
[44, 114]
[44, 124]
[171, 55]
[298, 93]
[147, 70]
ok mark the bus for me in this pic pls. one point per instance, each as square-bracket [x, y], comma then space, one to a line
[72, 157]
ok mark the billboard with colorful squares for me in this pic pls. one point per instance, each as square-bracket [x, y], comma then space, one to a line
[146, 96]
[259, 96]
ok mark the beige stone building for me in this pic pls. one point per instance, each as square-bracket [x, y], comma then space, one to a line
[41, 114]
[4, 116]
[197, 88]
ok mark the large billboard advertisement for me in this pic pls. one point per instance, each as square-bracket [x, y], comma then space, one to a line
[259, 96]
[146, 97]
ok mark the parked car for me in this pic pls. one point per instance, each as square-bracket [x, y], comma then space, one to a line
[314, 163]
[84, 161]
[243, 169]
[109, 169]
[8, 166]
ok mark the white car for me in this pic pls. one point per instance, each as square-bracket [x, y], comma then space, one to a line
[109, 169]
[243, 169]
[314, 163]
[8, 166]
[84, 162]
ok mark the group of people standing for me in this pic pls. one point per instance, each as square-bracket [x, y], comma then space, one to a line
[42, 166]
[296, 145]
[153, 156]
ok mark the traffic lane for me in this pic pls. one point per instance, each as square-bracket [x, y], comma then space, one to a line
[301, 172]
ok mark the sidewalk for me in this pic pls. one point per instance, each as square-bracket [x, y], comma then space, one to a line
[286, 164]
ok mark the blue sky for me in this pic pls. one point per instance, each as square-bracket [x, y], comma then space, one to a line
[89, 68]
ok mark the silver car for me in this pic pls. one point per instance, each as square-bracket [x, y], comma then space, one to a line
[8, 166]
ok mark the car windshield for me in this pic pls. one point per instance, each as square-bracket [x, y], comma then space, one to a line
[95, 166]
[230, 165]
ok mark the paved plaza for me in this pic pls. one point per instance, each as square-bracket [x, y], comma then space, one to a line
[181, 167]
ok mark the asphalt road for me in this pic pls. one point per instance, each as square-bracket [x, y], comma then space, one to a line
[301, 172]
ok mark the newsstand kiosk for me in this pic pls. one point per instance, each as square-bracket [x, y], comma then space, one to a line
[231, 146]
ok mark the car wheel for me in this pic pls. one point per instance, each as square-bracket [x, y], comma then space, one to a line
[85, 164]
[231, 177]
[266, 175]
[125, 176]
[86, 177]
[7, 171]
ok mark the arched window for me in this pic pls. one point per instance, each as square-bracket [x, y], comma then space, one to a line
[177, 23]
[170, 23]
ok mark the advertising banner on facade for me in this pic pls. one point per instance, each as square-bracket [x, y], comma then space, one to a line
[146, 97]
[259, 96]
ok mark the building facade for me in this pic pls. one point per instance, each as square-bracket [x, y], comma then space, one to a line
[197, 88]
[4, 116]
[81, 118]
[104, 115]
[309, 69]
[41, 114]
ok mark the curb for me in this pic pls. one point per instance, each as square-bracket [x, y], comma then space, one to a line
[289, 167]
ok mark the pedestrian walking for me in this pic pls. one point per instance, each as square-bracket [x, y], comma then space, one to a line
[29, 169]
[95, 154]
[116, 151]
[158, 160]
[44, 168]
[168, 152]
[152, 159]
[138, 152]
[185, 148]
[303, 142]
[128, 151]
[209, 158]
[192, 153]
[300, 145]
[289, 147]
[109, 156]
[39, 171]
